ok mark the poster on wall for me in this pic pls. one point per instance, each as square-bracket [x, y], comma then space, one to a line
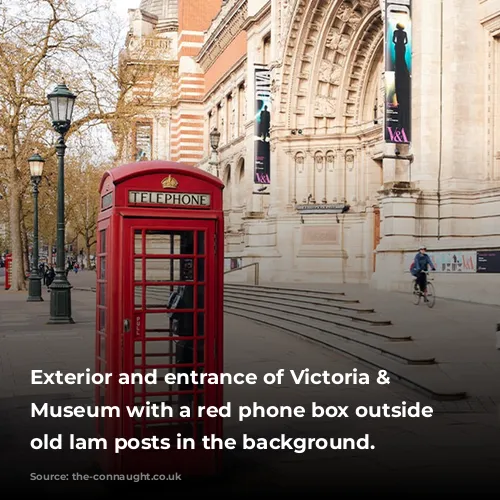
[398, 70]
[233, 263]
[448, 262]
[262, 169]
[488, 262]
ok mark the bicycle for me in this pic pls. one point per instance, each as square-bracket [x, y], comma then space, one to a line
[417, 294]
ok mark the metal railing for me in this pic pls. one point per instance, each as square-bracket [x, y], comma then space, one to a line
[256, 272]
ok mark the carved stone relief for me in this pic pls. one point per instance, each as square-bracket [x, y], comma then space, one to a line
[325, 106]
[349, 160]
[330, 161]
[329, 72]
[368, 4]
[336, 41]
[299, 162]
[318, 160]
[354, 20]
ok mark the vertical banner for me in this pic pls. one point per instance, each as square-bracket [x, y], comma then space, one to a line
[398, 68]
[262, 168]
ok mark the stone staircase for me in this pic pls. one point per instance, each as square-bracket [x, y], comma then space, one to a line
[343, 324]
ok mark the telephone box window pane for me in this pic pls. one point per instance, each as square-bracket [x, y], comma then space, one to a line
[138, 297]
[182, 324]
[200, 352]
[201, 242]
[158, 296]
[187, 243]
[102, 347]
[157, 325]
[102, 320]
[165, 242]
[102, 273]
[138, 270]
[138, 241]
[102, 248]
[102, 294]
[201, 270]
[201, 324]
[200, 297]
[163, 270]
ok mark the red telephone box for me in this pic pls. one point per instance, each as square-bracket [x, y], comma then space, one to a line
[8, 271]
[160, 268]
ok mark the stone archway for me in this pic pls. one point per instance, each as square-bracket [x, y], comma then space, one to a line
[326, 61]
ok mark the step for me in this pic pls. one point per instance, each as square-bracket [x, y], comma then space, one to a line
[328, 309]
[426, 379]
[306, 299]
[335, 296]
[383, 332]
[397, 351]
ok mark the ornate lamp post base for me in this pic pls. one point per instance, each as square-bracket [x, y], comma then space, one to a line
[35, 288]
[60, 303]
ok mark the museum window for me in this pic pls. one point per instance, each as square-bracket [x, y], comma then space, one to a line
[266, 50]
[241, 109]
[229, 117]
[221, 122]
[143, 141]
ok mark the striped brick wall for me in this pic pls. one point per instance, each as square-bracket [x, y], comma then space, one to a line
[188, 144]
[187, 141]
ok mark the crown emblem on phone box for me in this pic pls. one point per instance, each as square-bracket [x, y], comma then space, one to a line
[169, 183]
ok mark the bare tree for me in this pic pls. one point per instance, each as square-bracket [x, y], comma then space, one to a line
[45, 42]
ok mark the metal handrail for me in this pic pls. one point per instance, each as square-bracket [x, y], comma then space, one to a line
[256, 273]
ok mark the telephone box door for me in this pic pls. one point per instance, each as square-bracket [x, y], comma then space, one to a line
[170, 325]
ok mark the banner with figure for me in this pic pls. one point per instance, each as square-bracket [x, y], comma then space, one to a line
[398, 69]
[460, 261]
[262, 169]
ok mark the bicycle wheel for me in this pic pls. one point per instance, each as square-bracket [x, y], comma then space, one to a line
[415, 290]
[431, 295]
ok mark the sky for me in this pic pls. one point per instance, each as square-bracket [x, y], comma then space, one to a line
[122, 6]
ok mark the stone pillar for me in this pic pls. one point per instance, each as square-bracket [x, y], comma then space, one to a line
[463, 84]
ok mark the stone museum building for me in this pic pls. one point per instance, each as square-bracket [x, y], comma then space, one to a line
[351, 132]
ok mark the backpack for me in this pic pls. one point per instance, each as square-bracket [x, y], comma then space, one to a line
[412, 268]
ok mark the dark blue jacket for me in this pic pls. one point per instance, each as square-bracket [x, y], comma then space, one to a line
[421, 263]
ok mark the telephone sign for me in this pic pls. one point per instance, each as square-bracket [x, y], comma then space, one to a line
[160, 310]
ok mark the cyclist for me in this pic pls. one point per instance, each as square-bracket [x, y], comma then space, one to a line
[420, 265]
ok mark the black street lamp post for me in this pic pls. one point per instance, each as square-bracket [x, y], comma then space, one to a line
[35, 283]
[61, 102]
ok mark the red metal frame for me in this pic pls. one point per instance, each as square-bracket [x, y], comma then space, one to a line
[8, 265]
[127, 264]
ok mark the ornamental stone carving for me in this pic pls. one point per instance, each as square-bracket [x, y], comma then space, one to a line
[354, 20]
[318, 160]
[349, 159]
[330, 161]
[336, 41]
[299, 162]
[325, 105]
[329, 72]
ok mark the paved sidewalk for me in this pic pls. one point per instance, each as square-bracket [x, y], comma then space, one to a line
[448, 447]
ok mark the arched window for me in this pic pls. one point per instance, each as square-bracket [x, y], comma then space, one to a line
[266, 49]
[226, 178]
[240, 180]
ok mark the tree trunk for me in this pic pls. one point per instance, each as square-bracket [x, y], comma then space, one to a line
[18, 278]
[26, 246]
